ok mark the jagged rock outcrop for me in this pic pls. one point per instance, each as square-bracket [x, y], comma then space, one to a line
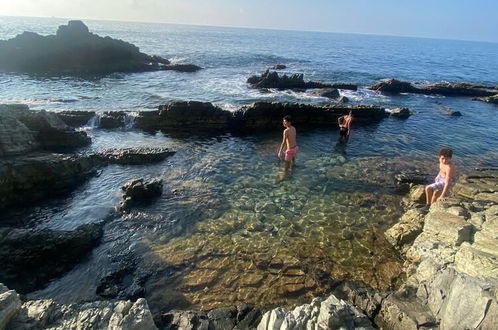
[74, 50]
[34, 177]
[26, 130]
[30, 257]
[137, 191]
[278, 67]
[452, 260]
[330, 313]
[135, 156]
[10, 304]
[394, 86]
[271, 79]
[112, 315]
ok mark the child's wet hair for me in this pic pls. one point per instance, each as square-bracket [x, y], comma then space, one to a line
[446, 152]
[288, 118]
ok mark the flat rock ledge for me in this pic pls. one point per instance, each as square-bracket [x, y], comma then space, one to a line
[451, 253]
[135, 156]
[488, 99]
[394, 86]
[75, 50]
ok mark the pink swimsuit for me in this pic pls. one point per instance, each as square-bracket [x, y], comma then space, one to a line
[291, 153]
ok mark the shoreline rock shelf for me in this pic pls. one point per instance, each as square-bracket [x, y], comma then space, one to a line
[75, 50]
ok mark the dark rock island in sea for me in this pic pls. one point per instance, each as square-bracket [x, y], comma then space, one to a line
[394, 86]
[75, 50]
[271, 79]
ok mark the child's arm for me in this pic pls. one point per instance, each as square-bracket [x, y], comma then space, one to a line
[449, 176]
[282, 144]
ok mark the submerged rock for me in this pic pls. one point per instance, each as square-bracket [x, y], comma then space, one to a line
[30, 257]
[137, 191]
[271, 79]
[74, 50]
[135, 156]
[278, 67]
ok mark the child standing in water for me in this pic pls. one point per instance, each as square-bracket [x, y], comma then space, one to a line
[289, 140]
[345, 125]
[444, 180]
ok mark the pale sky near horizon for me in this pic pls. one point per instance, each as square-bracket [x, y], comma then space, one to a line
[447, 19]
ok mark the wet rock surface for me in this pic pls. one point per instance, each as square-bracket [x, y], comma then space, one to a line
[139, 191]
[30, 257]
[271, 79]
[135, 156]
[37, 176]
[402, 113]
[75, 118]
[26, 130]
[452, 260]
[394, 86]
[75, 50]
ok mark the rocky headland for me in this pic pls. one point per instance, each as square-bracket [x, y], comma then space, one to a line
[75, 50]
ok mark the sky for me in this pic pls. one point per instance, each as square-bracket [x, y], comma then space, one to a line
[447, 19]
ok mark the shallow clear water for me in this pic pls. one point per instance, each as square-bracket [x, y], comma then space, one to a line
[229, 219]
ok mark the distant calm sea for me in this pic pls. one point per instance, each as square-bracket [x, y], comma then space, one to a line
[339, 193]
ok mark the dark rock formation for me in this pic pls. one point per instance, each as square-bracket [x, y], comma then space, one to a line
[34, 177]
[241, 317]
[184, 116]
[135, 156]
[124, 281]
[74, 50]
[34, 129]
[112, 119]
[271, 79]
[76, 118]
[30, 257]
[181, 67]
[393, 86]
[343, 99]
[268, 116]
[488, 99]
[331, 93]
[278, 67]
[137, 191]
[402, 113]
[258, 116]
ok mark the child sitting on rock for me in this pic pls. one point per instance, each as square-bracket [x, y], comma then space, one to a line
[444, 180]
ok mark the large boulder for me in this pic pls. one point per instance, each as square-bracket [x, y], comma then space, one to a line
[74, 50]
[15, 137]
[34, 177]
[30, 258]
[137, 191]
[271, 79]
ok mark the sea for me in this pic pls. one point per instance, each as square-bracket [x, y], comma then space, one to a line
[231, 226]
